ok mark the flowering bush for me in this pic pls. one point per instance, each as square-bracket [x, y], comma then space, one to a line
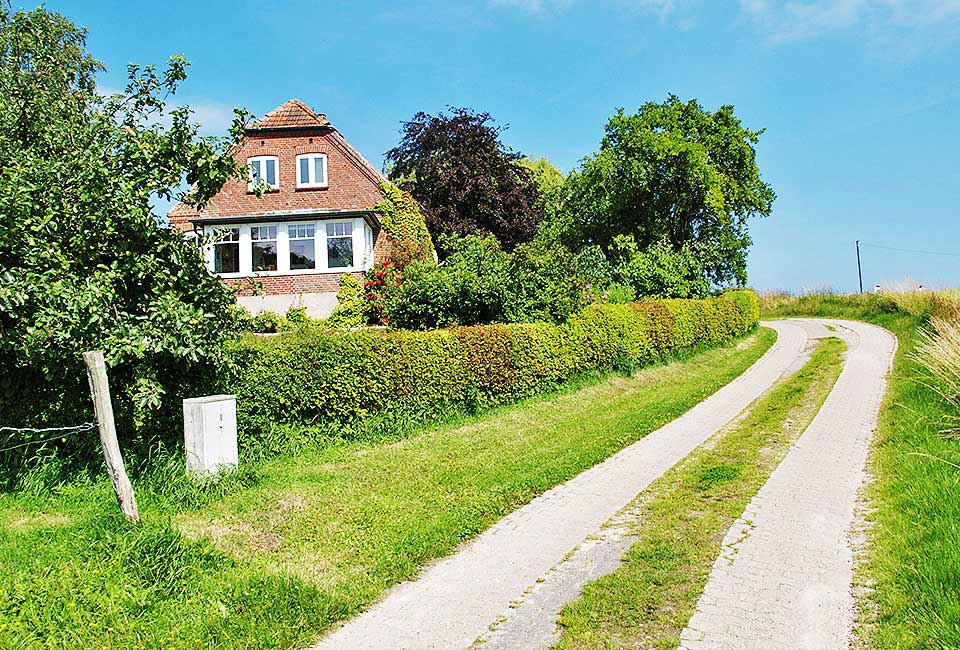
[381, 283]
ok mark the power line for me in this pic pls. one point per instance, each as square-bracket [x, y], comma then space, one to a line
[909, 250]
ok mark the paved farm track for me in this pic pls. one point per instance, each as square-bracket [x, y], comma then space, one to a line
[783, 578]
[786, 565]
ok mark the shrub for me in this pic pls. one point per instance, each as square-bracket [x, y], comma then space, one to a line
[268, 322]
[351, 307]
[297, 317]
[470, 286]
[380, 285]
[543, 284]
[660, 271]
[480, 283]
[593, 268]
[334, 381]
[618, 293]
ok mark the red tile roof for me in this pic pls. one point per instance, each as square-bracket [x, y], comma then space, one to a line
[293, 114]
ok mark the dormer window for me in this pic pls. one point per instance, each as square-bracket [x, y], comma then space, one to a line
[312, 170]
[264, 168]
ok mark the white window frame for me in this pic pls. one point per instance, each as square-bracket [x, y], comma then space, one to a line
[362, 247]
[316, 242]
[262, 164]
[312, 171]
[367, 247]
[357, 246]
[275, 239]
[218, 242]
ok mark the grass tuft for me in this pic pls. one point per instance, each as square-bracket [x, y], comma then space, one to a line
[710, 476]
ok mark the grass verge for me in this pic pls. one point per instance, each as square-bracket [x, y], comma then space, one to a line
[683, 517]
[909, 573]
[310, 540]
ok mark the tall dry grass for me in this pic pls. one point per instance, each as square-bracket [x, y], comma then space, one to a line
[939, 352]
[920, 303]
[904, 297]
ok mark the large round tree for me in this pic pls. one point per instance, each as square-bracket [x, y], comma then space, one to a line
[674, 173]
[465, 179]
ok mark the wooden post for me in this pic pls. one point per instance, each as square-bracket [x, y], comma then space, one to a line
[103, 408]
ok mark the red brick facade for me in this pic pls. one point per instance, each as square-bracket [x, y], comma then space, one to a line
[352, 183]
[353, 187]
[275, 285]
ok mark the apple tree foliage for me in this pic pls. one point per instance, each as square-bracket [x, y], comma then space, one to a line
[85, 264]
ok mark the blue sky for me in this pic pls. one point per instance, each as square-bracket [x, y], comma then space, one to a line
[859, 98]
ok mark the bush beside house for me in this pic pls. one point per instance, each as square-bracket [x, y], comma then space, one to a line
[330, 378]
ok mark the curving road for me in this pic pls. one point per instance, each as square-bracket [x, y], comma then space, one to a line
[508, 585]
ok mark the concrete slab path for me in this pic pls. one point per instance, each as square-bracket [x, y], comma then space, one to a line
[783, 579]
[457, 599]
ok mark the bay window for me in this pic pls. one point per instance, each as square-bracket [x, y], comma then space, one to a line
[289, 247]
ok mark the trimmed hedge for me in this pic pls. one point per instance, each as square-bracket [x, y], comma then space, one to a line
[339, 378]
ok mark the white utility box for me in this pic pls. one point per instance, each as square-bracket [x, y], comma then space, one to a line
[210, 434]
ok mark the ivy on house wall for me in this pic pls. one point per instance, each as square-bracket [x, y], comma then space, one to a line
[404, 223]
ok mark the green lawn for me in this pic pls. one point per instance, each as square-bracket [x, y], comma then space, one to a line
[682, 518]
[277, 555]
[910, 574]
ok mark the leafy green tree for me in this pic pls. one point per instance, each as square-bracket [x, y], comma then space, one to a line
[673, 172]
[465, 179]
[550, 180]
[658, 271]
[84, 262]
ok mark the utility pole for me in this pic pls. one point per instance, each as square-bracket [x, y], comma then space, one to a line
[859, 272]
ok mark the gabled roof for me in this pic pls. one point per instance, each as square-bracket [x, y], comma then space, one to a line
[293, 114]
[292, 120]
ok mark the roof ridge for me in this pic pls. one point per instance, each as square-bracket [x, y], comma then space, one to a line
[291, 114]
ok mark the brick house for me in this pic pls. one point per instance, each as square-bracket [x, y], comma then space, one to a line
[312, 225]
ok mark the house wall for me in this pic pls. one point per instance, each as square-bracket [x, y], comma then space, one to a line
[351, 184]
[316, 292]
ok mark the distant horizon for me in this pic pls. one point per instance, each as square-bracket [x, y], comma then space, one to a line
[857, 99]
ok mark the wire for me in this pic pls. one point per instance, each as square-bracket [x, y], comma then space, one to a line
[67, 431]
[909, 250]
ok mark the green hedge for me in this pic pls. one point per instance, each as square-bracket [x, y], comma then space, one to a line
[325, 378]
